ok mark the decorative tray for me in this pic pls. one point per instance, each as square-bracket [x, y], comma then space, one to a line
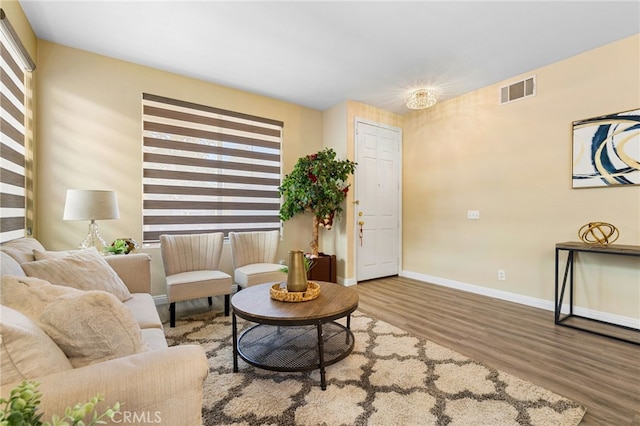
[278, 292]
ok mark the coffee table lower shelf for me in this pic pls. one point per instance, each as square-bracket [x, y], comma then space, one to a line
[295, 348]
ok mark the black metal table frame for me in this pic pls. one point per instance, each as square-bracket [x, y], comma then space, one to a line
[568, 274]
[292, 323]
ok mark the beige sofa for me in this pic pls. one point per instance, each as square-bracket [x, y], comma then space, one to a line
[156, 385]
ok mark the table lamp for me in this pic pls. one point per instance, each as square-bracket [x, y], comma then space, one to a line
[83, 204]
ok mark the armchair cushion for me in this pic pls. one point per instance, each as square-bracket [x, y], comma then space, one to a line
[196, 284]
[25, 350]
[89, 326]
[258, 273]
[83, 270]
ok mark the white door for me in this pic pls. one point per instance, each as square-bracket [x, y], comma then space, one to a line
[377, 184]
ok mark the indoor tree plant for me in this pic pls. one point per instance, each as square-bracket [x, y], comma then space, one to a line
[317, 184]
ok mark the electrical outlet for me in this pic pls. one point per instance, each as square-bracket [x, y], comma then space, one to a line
[502, 275]
[473, 214]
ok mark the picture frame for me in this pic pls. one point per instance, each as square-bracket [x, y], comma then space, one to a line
[606, 150]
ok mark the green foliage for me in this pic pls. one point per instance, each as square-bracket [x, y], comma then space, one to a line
[317, 184]
[308, 264]
[118, 247]
[21, 409]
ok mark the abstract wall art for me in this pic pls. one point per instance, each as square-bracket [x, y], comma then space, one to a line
[606, 150]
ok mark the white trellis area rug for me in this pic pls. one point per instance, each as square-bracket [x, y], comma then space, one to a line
[390, 378]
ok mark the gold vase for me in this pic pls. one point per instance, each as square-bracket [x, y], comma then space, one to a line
[297, 275]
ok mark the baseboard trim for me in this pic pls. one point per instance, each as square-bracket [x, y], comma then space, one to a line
[523, 300]
[347, 282]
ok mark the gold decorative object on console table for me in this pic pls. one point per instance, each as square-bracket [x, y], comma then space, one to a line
[598, 233]
[278, 292]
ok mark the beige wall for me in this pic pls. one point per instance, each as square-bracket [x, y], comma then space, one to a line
[90, 138]
[335, 241]
[513, 164]
[510, 162]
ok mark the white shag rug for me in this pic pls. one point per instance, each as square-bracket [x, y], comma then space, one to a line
[390, 378]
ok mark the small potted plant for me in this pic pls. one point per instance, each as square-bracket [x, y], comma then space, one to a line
[122, 246]
[22, 409]
[317, 184]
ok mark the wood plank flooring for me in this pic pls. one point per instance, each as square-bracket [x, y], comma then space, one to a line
[601, 373]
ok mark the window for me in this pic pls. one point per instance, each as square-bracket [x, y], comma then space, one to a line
[15, 68]
[207, 170]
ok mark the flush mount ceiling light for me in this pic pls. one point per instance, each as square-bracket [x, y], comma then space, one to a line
[422, 99]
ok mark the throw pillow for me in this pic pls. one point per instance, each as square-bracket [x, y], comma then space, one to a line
[44, 255]
[26, 351]
[82, 269]
[88, 326]
[21, 249]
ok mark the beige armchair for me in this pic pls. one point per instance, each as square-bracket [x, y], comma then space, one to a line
[191, 265]
[254, 258]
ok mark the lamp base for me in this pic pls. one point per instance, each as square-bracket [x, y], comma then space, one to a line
[93, 238]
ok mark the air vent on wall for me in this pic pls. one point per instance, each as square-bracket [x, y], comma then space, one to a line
[518, 90]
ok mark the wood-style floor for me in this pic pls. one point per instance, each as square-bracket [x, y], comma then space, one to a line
[600, 373]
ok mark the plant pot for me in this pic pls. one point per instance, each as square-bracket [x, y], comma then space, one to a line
[324, 268]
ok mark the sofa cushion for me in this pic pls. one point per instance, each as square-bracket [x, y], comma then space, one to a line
[83, 270]
[21, 249]
[25, 350]
[10, 266]
[89, 326]
[144, 310]
[154, 339]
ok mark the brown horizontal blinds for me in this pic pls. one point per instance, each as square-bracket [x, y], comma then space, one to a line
[13, 68]
[206, 169]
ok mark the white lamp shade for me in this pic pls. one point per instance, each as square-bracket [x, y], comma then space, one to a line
[83, 204]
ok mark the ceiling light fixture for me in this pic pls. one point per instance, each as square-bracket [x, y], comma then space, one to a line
[422, 99]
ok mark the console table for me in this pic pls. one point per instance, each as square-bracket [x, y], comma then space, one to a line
[572, 248]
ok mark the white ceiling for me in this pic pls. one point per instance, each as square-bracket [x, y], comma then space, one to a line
[318, 54]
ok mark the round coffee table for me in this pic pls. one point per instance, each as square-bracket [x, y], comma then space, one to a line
[293, 336]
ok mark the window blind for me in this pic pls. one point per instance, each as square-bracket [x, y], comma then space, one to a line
[15, 65]
[207, 169]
